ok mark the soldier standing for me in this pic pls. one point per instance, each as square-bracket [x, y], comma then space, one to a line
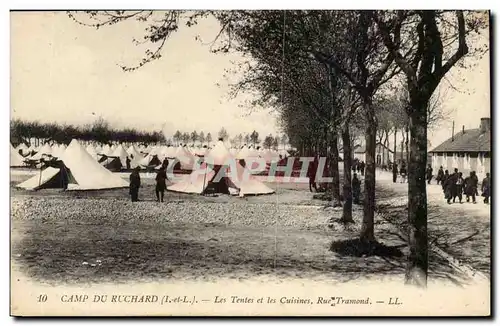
[394, 172]
[428, 173]
[161, 185]
[127, 162]
[470, 188]
[486, 188]
[356, 188]
[440, 175]
[135, 184]
[459, 187]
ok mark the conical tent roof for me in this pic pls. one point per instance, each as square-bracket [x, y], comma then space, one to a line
[170, 152]
[58, 150]
[132, 150]
[86, 173]
[245, 153]
[270, 156]
[185, 157]
[201, 151]
[218, 155]
[23, 148]
[15, 158]
[121, 153]
[92, 152]
[106, 150]
[44, 150]
[254, 152]
[146, 160]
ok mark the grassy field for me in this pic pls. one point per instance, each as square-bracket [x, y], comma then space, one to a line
[100, 236]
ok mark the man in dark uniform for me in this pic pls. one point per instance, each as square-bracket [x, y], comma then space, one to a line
[394, 172]
[470, 187]
[127, 162]
[135, 184]
[402, 172]
[486, 188]
[311, 174]
[476, 182]
[363, 165]
[459, 187]
[356, 189]
[450, 186]
[443, 180]
[164, 164]
[440, 175]
[428, 173]
[161, 185]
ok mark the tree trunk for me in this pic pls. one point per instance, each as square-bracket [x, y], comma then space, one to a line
[416, 270]
[346, 148]
[367, 228]
[402, 145]
[385, 152]
[394, 158]
[406, 144]
[334, 170]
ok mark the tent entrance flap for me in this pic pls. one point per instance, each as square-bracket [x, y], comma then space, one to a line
[219, 187]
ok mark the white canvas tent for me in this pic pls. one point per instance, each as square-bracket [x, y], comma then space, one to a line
[132, 150]
[201, 151]
[15, 158]
[122, 154]
[220, 160]
[245, 153]
[92, 152]
[185, 157]
[44, 150]
[58, 150]
[152, 159]
[106, 150]
[83, 173]
[270, 156]
[24, 149]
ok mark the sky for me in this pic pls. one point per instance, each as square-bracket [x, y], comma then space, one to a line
[68, 73]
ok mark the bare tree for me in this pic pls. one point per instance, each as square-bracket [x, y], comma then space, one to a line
[425, 45]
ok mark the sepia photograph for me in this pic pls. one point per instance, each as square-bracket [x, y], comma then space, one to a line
[250, 163]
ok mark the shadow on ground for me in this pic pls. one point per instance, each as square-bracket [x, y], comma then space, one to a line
[83, 252]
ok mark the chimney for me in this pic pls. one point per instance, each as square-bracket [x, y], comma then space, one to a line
[485, 125]
[463, 129]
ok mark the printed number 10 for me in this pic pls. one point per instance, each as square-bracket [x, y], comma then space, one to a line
[42, 298]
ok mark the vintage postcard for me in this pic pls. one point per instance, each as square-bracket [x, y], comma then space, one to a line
[250, 163]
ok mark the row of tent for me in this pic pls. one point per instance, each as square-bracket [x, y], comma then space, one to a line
[76, 169]
[115, 157]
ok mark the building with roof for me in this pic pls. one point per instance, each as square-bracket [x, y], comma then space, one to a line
[468, 150]
[383, 154]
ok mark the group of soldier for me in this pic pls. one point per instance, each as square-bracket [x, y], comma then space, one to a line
[161, 182]
[359, 166]
[455, 185]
